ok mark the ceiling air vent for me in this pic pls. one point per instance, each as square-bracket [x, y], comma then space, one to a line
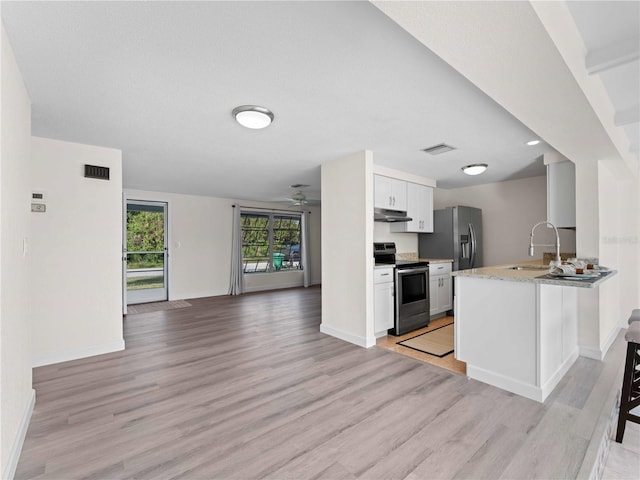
[438, 149]
[93, 171]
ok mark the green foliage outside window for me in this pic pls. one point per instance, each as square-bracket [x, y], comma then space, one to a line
[145, 232]
[270, 242]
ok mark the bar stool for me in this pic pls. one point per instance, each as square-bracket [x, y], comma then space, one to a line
[630, 398]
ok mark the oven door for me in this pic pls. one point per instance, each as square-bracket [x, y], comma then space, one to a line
[412, 299]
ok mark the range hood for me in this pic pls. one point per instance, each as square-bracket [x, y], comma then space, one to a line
[384, 215]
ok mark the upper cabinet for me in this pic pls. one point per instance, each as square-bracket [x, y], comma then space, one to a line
[419, 208]
[390, 193]
[561, 194]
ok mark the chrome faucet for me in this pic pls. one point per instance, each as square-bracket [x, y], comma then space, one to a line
[557, 261]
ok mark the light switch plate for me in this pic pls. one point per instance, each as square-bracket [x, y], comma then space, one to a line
[38, 207]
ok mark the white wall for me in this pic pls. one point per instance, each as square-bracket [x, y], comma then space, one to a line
[199, 243]
[609, 215]
[17, 396]
[554, 96]
[509, 210]
[76, 250]
[405, 242]
[200, 246]
[347, 249]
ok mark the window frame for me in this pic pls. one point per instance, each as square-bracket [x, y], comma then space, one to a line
[271, 216]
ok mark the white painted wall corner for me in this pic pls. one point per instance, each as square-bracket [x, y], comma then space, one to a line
[58, 357]
[348, 337]
[16, 448]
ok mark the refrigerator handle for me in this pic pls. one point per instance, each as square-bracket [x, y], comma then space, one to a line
[472, 235]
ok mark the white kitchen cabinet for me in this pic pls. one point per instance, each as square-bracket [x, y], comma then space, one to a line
[419, 208]
[561, 194]
[383, 296]
[520, 336]
[389, 193]
[440, 288]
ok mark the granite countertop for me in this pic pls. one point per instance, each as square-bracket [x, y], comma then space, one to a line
[502, 272]
[436, 260]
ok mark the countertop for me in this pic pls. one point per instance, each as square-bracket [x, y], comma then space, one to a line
[502, 272]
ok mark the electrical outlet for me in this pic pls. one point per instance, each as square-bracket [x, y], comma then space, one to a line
[38, 207]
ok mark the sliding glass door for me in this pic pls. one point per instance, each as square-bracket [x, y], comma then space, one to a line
[145, 252]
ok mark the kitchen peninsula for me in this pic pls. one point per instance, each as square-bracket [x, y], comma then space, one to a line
[516, 327]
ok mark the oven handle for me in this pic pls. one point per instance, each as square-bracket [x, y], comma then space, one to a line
[413, 270]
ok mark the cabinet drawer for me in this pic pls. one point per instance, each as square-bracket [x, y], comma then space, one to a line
[439, 268]
[383, 275]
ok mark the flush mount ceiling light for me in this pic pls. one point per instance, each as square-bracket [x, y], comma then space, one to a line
[531, 143]
[475, 169]
[252, 116]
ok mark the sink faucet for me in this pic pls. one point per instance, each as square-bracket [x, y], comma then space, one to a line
[557, 261]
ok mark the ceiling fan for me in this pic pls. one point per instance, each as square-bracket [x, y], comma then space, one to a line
[298, 198]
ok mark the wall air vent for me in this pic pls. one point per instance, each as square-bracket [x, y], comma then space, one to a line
[438, 149]
[93, 171]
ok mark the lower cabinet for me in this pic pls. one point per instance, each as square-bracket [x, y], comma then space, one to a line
[440, 288]
[383, 292]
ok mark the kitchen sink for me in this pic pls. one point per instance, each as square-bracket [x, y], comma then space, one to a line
[529, 267]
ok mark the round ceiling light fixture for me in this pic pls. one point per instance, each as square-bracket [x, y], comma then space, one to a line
[531, 143]
[253, 117]
[475, 169]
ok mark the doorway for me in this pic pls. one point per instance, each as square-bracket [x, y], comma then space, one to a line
[145, 252]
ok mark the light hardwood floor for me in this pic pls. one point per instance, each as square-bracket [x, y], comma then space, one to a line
[449, 362]
[247, 387]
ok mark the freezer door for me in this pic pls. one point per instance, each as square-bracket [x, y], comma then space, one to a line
[468, 237]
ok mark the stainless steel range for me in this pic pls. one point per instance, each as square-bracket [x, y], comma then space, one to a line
[411, 289]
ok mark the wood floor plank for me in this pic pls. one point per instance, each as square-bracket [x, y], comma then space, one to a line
[247, 387]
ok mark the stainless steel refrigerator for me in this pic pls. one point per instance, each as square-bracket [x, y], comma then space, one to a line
[457, 234]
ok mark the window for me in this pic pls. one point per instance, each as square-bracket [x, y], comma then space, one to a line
[270, 242]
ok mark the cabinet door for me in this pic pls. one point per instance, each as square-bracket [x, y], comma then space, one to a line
[427, 215]
[399, 194]
[445, 299]
[382, 194]
[434, 294]
[389, 193]
[419, 208]
[414, 208]
[383, 309]
[391, 305]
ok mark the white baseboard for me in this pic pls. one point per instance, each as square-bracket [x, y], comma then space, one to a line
[187, 296]
[599, 353]
[16, 449]
[348, 337]
[262, 288]
[589, 352]
[550, 384]
[539, 394]
[509, 384]
[49, 358]
[219, 293]
[612, 337]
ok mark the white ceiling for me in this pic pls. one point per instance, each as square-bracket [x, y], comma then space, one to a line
[611, 34]
[158, 80]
